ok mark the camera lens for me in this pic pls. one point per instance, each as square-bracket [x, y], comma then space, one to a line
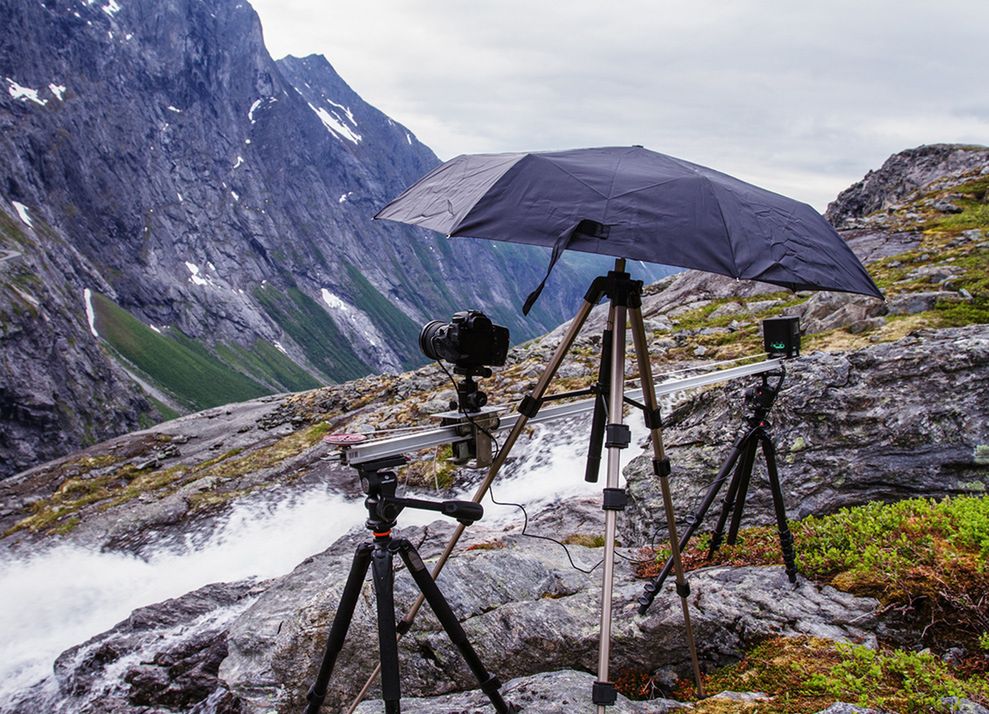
[430, 331]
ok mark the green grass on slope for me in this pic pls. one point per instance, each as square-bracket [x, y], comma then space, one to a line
[394, 324]
[181, 366]
[928, 559]
[313, 330]
[267, 364]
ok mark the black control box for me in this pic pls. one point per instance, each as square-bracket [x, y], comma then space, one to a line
[781, 336]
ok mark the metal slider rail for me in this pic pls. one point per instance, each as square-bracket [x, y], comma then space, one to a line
[382, 448]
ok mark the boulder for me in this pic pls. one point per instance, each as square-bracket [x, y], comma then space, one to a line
[526, 611]
[561, 691]
[891, 421]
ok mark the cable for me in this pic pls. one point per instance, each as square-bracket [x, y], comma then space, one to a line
[525, 514]
[525, 526]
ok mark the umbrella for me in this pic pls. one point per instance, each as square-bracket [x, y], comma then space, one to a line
[634, 203]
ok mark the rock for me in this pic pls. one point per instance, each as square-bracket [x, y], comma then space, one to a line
[828, 311]
[902, 177]
[961, 705]
[912, 303]
[946, 207]
[164, 656]
[891, 421]
[526, 611]
[844, 708]
[560, 691]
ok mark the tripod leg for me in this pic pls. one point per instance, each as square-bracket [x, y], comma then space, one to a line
[533, 399]
[604, 692]
[653, 587]
[601, 405]
[384, 592]
[786, 538]
[661, 466]
[341, 623]
[489, 683]
[728, 503]
[743, 489]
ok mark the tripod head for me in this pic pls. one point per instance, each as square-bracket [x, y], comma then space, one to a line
[384, 507]
[470, 398]
[759, 400]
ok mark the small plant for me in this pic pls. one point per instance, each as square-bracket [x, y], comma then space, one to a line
[807, 674]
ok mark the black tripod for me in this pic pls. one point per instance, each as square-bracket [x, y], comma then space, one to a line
[383, 508]
[759, 401]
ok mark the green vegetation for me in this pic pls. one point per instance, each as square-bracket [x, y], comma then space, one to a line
[925, 558]
[397, 327]
[179, 364]
[313, 330]
[588, 540]
[98, 482]
[807, 674]
[268, 364]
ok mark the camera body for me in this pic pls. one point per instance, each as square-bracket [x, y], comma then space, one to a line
[470, 340]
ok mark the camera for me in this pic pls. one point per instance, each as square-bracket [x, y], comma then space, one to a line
[470, 340]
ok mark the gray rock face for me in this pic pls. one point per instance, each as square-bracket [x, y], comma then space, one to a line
[544, 693]
[526, 611]
[902, 176]
[164, 656]
[892, 421]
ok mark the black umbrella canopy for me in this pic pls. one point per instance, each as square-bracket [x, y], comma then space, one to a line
[634, 203]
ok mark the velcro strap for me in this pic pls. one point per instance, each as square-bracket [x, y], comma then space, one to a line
[529, 406]
[617, 436]
[615, 499]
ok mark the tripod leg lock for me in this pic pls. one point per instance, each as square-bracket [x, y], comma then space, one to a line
[615, 499]
[617, 436]
[653, 418]
[661, 467]
[490, 685]
[683, 589]
[604, 693]
[529, 406]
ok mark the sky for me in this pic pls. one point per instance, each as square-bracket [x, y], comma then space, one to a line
[800, 98]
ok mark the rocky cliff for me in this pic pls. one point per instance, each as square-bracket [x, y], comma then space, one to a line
[887, 402]
[186, 222]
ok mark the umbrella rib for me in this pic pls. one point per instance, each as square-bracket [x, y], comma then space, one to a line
[574, 177]
[731, 248]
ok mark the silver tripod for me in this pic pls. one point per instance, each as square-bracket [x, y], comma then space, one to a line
[624, 295]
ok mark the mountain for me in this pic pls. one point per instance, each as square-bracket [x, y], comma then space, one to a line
[241, 527]
[186, 222]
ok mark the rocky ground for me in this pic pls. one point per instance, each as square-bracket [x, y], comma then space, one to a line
[887, 403]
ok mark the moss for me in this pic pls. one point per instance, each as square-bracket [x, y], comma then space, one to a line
[236, 463]
[585, 539]
[437, 471]
[807, 674]
[923, 557]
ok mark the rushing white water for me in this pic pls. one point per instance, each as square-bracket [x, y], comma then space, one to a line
[62, 596]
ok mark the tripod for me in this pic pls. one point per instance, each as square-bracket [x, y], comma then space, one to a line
[383, 508]
[608, 431]
[759, 401]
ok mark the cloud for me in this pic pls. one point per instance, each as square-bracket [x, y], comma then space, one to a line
[804, 98]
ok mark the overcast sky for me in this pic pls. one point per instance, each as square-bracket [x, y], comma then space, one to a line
[801, 98]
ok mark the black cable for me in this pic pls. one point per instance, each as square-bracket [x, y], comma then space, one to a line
[525, 526]
[525, 514]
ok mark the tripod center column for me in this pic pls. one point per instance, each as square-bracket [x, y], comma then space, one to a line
[617, 439]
